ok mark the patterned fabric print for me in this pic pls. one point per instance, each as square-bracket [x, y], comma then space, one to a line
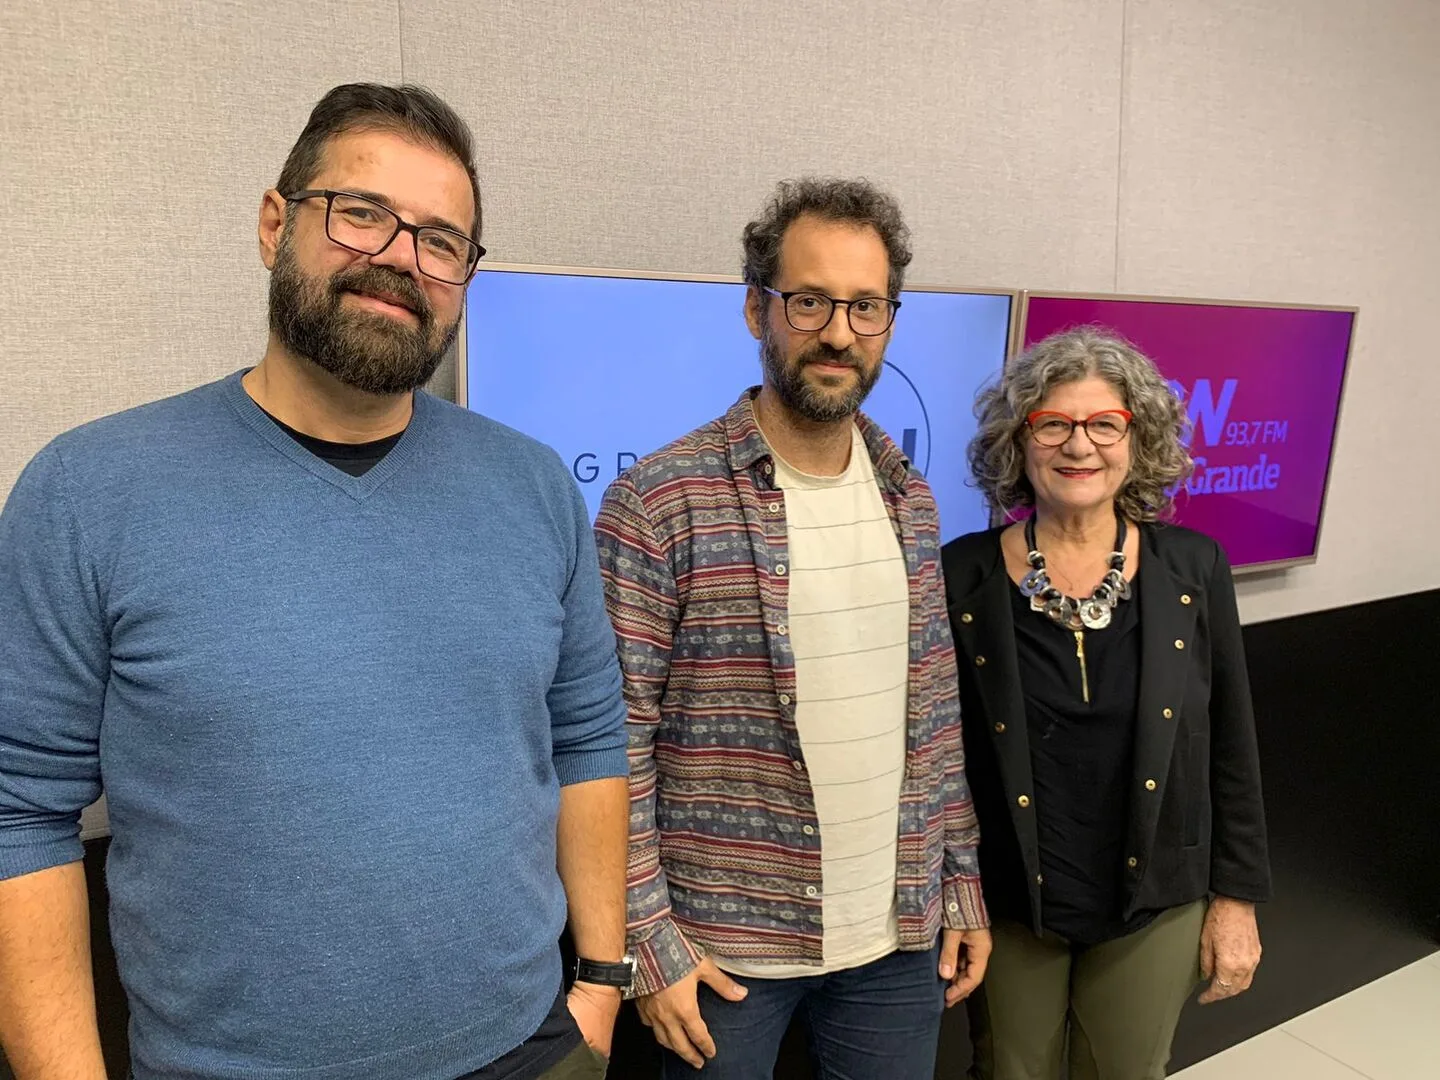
[693, 551]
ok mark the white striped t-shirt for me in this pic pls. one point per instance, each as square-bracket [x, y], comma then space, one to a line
[849, 628]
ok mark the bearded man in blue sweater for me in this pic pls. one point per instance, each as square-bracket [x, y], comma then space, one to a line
[339, 653]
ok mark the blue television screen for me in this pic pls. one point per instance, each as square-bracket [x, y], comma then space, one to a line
[606, 369]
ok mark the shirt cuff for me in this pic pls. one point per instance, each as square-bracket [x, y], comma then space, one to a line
[580, 766]
[663, 958]
[964, 904]
[28, 851]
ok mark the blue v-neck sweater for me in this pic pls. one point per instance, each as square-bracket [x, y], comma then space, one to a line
[332, 715]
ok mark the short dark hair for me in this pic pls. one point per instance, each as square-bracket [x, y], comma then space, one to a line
[411, 111]
[856, 202]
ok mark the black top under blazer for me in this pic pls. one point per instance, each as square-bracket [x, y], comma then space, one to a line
[1197, 823]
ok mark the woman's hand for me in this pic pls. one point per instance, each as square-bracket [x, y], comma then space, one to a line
[1229, 948]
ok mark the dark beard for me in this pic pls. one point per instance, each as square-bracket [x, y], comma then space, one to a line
[803, 398]
[370, 352]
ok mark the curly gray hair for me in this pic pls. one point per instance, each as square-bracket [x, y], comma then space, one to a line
[854, 202]
[1159, 432]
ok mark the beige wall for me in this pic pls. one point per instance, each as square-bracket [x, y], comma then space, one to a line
[1290, 151]
[1282, 150]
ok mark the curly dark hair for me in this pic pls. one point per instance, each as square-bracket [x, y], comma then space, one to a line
[857, 202]
[1159, 432]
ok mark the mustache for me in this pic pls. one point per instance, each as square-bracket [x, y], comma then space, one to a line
[378, 281]
[828, 354]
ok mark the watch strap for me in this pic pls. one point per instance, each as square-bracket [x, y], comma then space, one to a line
[618, 975]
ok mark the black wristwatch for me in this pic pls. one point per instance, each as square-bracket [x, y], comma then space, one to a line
[620, 975]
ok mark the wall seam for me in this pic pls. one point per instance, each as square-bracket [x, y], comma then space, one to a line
[400, 34]
[1120, 132]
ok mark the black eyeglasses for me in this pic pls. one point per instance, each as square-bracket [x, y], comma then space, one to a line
[363, 225]
[811, 312]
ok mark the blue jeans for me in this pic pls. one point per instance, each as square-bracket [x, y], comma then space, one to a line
[876, 1022]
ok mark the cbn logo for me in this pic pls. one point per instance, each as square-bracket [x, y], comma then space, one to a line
[897, 406]
[1208, 412]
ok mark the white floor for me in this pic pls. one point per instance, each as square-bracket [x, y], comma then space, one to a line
[1388, 1030]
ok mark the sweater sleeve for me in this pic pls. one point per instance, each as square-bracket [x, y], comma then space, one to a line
[587, 711]
[53, 672]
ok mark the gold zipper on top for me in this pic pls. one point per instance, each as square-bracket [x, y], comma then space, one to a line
[1084, 674]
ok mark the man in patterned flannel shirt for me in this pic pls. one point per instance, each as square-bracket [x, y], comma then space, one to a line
[800, 818]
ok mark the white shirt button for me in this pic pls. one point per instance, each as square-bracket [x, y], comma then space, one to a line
[799, 766]
[784, 699]
[810, 890]
[952, 907]
[808, 830]
[782, 629]
[780, 569]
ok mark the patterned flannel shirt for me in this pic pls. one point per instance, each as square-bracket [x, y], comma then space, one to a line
[724, 839]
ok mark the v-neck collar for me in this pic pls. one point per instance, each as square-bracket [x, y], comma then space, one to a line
[358, 488]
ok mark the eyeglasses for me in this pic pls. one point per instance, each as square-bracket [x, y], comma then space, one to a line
[1050, 428]
[811, 312]
[363, 225]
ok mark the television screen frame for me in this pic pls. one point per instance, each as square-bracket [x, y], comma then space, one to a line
[1022, 316]
[462, 352]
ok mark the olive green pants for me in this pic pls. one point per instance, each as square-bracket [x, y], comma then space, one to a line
[1115, 1005]
[581, 1064]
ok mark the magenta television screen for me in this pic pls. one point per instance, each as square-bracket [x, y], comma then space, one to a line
[1262, 386]
[605, 368]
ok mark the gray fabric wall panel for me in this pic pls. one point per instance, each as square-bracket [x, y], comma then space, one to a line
[138, 138]
[1288, 151]
[645, 134]
[1280, 150]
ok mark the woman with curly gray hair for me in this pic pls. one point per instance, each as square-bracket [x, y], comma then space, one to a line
[1109, 735]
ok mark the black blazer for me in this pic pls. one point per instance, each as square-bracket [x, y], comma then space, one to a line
[1196, 823]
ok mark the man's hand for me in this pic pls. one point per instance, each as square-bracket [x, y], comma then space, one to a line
[1229, 948]
[965, 973]
[674, 1013]
[594, 1009]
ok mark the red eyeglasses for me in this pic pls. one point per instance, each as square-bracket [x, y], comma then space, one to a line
[1050, 428]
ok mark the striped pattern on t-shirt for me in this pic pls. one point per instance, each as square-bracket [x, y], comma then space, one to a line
[849, 617]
